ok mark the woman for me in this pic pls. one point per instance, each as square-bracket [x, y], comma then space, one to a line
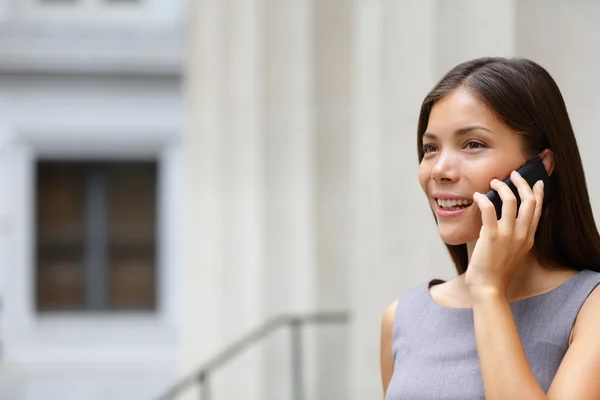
[521, 319]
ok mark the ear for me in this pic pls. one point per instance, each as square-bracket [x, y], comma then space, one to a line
[547, 157]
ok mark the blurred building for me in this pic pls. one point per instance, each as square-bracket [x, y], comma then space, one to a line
[175, 173]
[90, 123]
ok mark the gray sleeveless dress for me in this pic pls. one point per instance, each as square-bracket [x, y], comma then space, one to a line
[434, 349]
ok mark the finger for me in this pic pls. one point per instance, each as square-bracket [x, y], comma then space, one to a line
[538, 192]
[488, 212]
[528, 201]
[509, 204]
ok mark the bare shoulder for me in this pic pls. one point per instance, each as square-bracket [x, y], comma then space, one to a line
[389, 313]
[587, 319]
[386, 351]
[387, 329]
[576, 377]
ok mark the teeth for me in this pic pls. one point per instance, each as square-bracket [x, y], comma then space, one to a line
[453, 203]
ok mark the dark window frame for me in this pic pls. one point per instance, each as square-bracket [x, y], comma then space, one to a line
[97, 244]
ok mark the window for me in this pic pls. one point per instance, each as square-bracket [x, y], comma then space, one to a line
[96, 236]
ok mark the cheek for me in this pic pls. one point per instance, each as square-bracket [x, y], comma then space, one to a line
[480, 178]
[496, 167]
[424, 175]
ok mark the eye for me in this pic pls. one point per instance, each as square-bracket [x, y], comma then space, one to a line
[474, 145]
[428, 148]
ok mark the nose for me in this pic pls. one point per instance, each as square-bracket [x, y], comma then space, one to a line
[445, 169]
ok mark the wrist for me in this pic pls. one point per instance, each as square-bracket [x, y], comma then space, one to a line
[487, 293]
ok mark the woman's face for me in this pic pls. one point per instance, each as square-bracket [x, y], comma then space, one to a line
[465, 147]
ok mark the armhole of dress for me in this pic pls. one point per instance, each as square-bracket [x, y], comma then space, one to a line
[574, 321]
[395, 332]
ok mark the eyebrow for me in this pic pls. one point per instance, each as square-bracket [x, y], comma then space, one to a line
[460, 131]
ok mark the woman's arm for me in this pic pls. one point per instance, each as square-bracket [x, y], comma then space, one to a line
[386, 357]
[577, 377]
[504, 366]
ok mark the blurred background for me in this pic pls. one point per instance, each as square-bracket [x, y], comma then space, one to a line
[176, 174]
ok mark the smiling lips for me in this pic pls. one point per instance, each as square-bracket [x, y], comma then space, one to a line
[453, 204]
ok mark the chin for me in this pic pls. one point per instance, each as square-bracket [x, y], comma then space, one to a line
[453, 242]
[457, 238]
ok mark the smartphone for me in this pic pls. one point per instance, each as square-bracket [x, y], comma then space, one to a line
[532, 171]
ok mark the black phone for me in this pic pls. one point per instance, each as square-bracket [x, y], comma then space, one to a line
[532, 171]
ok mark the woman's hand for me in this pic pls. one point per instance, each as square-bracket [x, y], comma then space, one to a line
[504, 243]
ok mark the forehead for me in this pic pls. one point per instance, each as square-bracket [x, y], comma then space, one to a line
[459, 109]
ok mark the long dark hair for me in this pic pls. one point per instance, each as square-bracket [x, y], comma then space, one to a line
[526, 98]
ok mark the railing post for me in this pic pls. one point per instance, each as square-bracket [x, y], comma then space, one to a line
[204, 386]
[296, 324]
[297, 362]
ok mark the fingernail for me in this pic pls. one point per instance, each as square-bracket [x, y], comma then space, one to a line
[541, 183]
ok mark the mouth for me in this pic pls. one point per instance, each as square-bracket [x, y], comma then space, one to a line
[453, 204]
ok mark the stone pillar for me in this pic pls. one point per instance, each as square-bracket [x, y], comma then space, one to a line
[290, 278]
[201, 214]
[242, 272]
[367, 241]
[469, 29]
[333, 80]
[223, 260]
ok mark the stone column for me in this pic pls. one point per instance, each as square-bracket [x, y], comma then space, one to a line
[242, 168]
[290, 278]
[334, 33]
[367, 241]
[469, 29]
[223, 214]
[201, 316]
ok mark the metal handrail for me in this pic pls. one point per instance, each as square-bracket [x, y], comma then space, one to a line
[201, 375]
